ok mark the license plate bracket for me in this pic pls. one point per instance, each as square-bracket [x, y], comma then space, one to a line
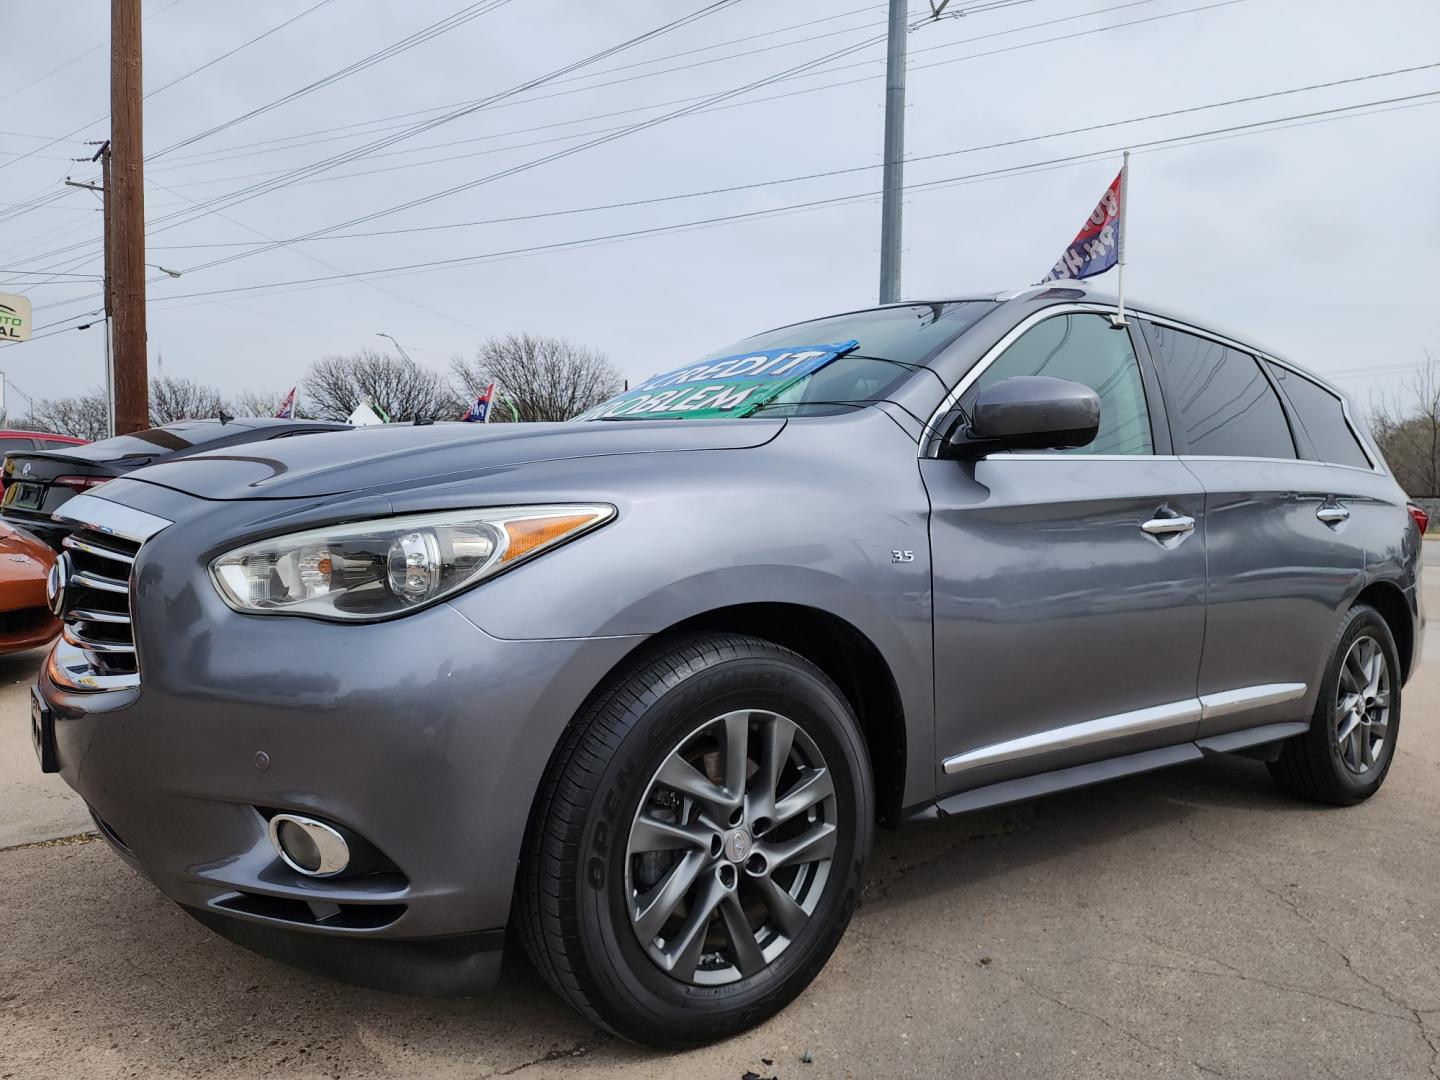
[42, 732]
[24, 495]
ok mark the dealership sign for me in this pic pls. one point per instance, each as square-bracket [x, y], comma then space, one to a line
[728, 386]
[14, 317]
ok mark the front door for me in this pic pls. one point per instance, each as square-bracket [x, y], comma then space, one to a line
[1069, 588]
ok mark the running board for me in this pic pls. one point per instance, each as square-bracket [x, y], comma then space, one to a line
[1024, 788]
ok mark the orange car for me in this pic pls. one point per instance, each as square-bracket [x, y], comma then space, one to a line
[25, 620]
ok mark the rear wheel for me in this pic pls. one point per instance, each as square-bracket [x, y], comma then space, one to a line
[696, 851]
[1344, 757]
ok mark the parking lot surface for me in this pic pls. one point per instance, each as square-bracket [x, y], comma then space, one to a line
[1193, 922]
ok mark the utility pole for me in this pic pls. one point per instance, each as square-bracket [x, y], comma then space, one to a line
[894, 184]
[102, 189]
[125, 221]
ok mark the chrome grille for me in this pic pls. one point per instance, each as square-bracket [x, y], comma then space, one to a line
[97, 601]
[92, 578]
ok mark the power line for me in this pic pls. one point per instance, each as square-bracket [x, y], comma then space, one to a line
[234, 198]
[621, 133]
[1169, 113]
[420, 37]
[238, 48]
[76, 60]
[1152, 145]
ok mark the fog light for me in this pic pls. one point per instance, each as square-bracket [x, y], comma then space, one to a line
[308, 846]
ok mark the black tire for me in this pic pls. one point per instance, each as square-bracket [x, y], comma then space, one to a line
[574, 891]
[1313, 766]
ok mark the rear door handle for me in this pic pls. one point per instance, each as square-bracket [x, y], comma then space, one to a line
[1332, 513]
[1168, 526]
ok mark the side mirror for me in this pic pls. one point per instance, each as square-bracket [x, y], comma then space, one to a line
[1029, 412]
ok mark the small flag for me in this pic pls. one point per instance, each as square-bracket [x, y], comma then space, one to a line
[1100, 244]
[287, 407]
[479, 412]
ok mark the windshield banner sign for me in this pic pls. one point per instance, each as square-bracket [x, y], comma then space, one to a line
[729, 386]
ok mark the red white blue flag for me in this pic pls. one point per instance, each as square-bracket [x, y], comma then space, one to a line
[287, 407]
[1100, 244]
[479, 412]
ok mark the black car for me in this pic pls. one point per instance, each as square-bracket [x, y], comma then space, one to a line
[39, 482]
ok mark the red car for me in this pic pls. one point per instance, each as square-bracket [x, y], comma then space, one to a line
[25, 619]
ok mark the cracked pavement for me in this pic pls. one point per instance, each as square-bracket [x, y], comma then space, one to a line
[1189, 923]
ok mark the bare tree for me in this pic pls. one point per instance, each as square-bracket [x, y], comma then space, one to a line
[264, 403]
[85, 417]
[399, 388]
[173, 399]
[1406, 426]
[546, 378]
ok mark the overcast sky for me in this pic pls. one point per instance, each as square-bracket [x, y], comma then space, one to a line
[1322, 240]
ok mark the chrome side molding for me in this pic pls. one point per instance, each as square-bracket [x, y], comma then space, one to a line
[1176, 714]
[1249, 697]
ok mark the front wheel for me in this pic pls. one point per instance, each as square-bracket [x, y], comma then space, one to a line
[1343, 758]
[697, 847]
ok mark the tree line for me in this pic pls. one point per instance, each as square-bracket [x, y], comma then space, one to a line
[1405, 424]
[538, 379]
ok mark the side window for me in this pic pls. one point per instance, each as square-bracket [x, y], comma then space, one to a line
[1220, 402]
[1323, 418]
[1086, 349]
[9, 445]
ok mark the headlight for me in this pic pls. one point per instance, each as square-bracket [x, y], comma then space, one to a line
[373, 569]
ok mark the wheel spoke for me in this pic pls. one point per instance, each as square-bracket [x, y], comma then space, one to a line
[777, 735]
[652, 910]
[683, 955]
[744, 949]
[785, 913]
[1375, 670]
[1348, 725]
[817, 842]
[1380, 726]
[736, 756]
[679, 775]
[1353, 672]
[652, 834]
[814, 786]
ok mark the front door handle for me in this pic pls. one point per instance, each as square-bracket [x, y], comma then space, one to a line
[1332, 513]
[1168, 526]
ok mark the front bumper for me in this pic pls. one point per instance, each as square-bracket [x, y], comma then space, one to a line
[426, 736]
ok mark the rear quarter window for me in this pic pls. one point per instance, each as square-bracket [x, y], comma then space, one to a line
[1322, 416]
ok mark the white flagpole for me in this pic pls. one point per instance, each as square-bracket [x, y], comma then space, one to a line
[1119, 320]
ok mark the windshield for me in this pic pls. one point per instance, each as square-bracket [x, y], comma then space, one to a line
[807, 369]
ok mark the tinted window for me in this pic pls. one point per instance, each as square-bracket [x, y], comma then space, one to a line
[1086, 349]
[1323, 418]
[1220, 401]
[7, 445]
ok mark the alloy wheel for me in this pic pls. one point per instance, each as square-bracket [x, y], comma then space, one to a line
[1362, 706]
[731, 847]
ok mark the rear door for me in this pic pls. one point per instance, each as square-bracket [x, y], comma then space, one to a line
[1283, 559]
[1068, 588]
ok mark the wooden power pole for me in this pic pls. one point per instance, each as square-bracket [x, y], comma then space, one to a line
[125, 213]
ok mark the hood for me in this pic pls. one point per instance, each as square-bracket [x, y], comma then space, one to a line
[396, 456]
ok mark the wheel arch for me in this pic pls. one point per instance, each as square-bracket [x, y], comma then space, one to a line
[1387, 598]
[846, 655]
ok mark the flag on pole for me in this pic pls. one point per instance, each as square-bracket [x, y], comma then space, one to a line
[1100, 243]
[479, 412]
[287, 407]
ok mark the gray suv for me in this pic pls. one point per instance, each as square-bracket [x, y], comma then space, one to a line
[639, 687]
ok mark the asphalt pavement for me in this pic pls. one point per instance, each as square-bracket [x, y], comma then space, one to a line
[1193, 922]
